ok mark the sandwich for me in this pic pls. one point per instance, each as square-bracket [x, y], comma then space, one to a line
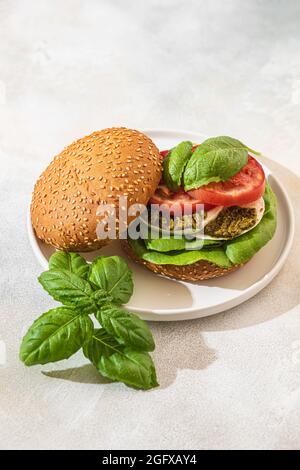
[223, 177]
[220, 208]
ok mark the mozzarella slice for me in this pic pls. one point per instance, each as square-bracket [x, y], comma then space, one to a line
[212, 214]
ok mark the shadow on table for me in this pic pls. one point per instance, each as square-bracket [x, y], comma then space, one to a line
[86, 373]
[179, 346]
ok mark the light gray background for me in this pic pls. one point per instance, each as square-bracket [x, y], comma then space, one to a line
[220, 67]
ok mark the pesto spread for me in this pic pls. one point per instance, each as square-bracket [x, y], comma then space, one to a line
[231, 222]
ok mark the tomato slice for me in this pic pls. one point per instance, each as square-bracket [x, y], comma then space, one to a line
[246, 186]
[164, 153]
[163, 195]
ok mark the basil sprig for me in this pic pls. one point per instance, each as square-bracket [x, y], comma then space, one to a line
[120, 348]
[216, 159]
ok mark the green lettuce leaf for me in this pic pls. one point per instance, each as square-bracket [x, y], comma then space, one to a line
[175, 244]
[180, 258]
[242, 248]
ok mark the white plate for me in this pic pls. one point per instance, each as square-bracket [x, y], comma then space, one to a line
[158, 298]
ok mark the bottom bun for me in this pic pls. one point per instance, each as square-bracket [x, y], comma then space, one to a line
[199, 271]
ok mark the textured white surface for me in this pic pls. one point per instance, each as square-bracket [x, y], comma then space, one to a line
[222, 67]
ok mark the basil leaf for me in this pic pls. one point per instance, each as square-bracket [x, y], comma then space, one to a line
[123, 364]
[216, 159]
[255, 152]
[101, 297]
[175, 244]
[112, 274]
[101, 343]
[56, 335]
[72, 262]
[134, 368]
[241, 249]
[69, 289]
[174, 164]
[126, 327]
[181, 258]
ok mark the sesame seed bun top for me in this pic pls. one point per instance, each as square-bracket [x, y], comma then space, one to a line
[92, 171]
